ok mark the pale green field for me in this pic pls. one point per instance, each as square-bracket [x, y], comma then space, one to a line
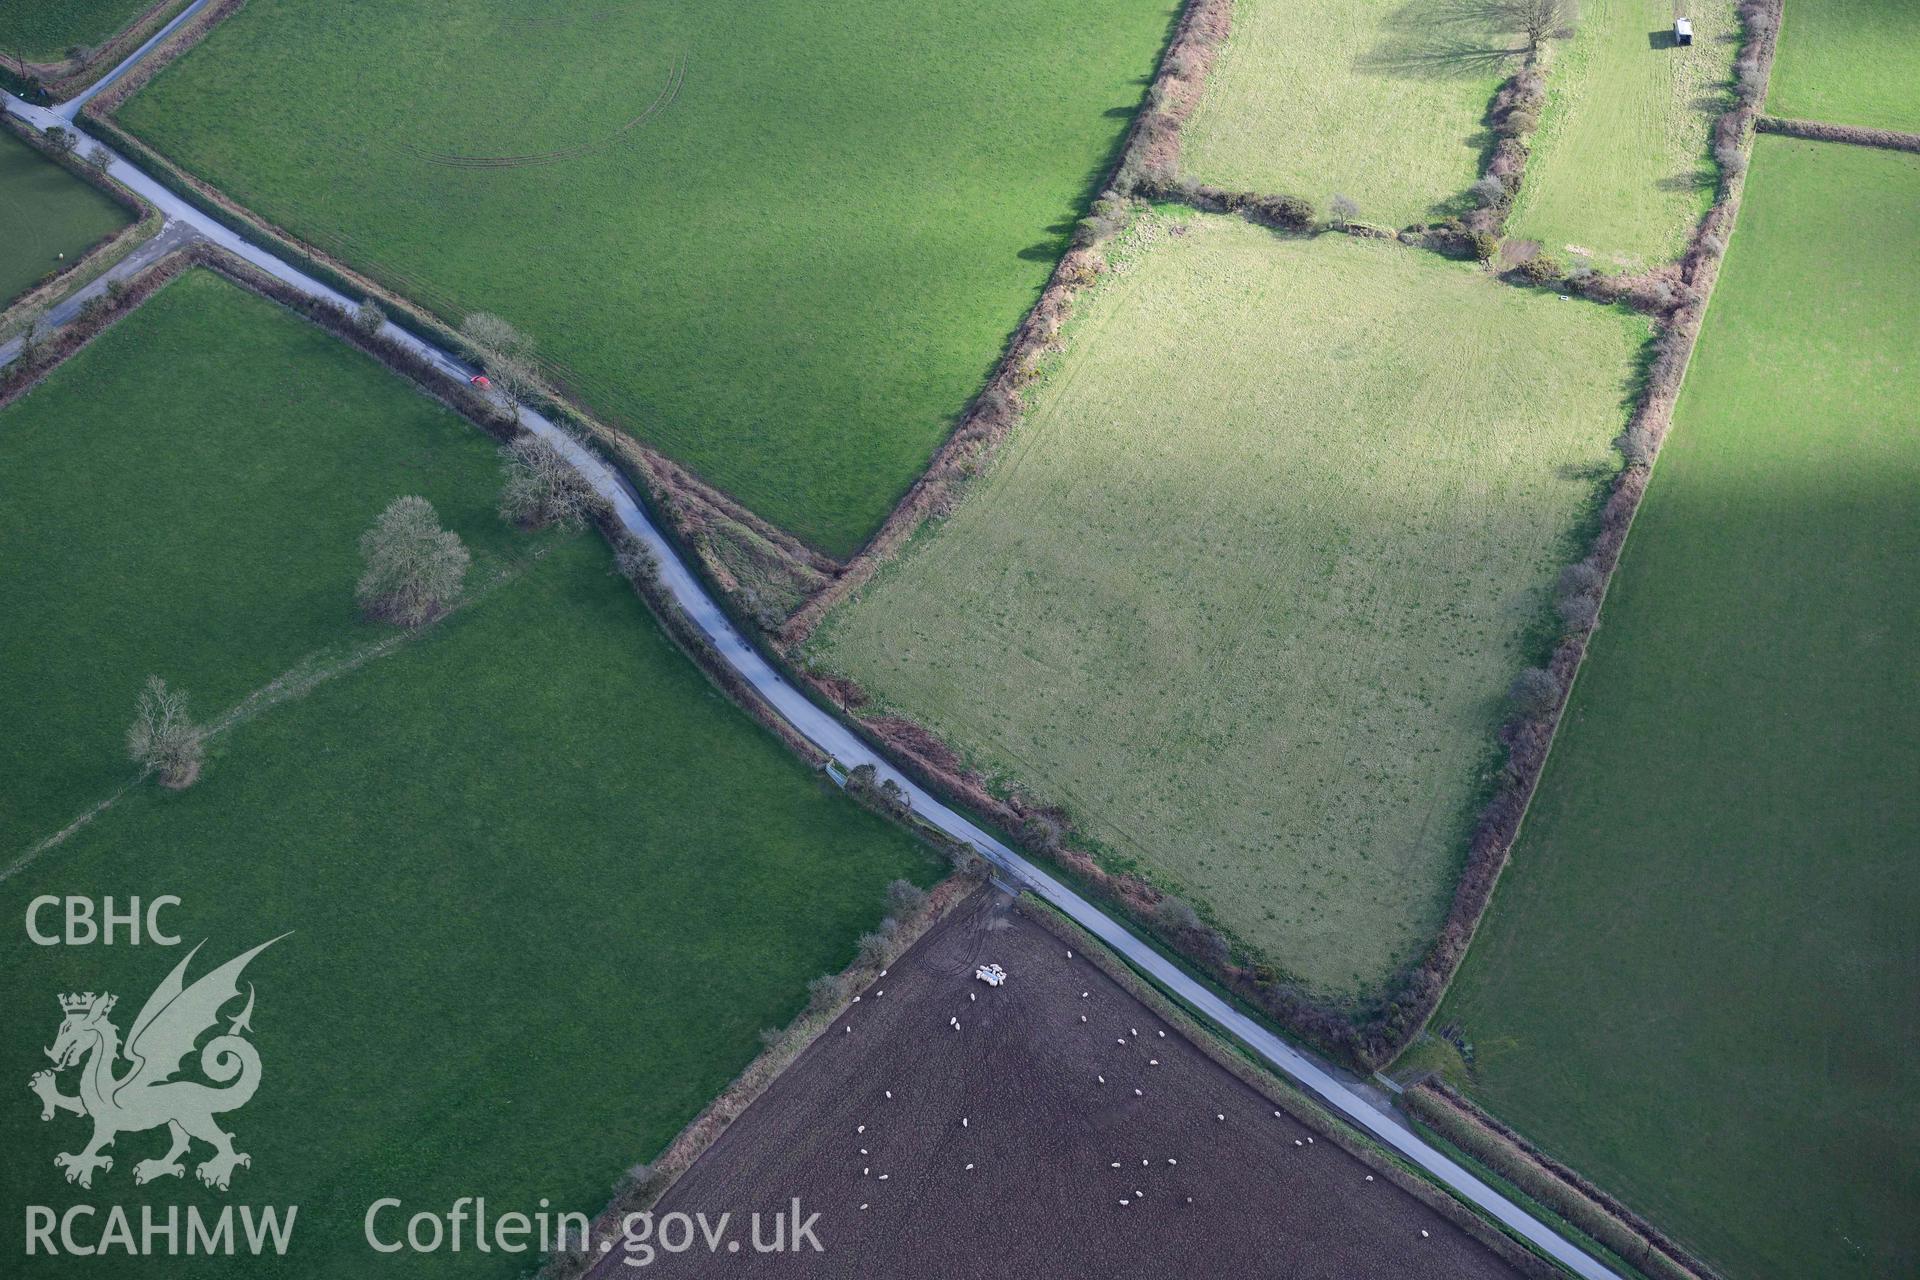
[1246, 590]
[1622, 165]
[1849, 62]
[1379, 99]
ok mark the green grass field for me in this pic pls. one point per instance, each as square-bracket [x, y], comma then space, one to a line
[1697, 983]
[1849, 62]
[545, 883]
[1622, 169]
[1246, 589]
[792, 276]
[44, 32]
[45, 212]
[1381, 100]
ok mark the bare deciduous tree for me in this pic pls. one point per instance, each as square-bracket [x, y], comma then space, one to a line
[1176, 916]
[30, 339]
[493, 336]
[905, 896]
[541, 487]
[1579, 613]
[1534, 692]
[1343, 210]
[633, 561]
[1581, 579]
[414, 568]
[1538, 21]
[368, 318]
[1040, 834]
[823, 992]
[163, 738]
[876, 948]
[100, 158]
[507, 353]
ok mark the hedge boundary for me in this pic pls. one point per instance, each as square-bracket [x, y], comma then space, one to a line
[58, 81]
[693, 511]
[162, 55]
[30, 368]
[700, 1133]
[1371, 1037]
[1598, 1215]
[101, 256]
[1148, 156]
[660, 1174]
[1821, 131]
[485, 414]
[1529, 739]
[924, 757]
[1284, 1095]
[1150, 151]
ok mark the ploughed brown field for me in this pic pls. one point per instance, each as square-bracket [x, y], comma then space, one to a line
[1254, 1194]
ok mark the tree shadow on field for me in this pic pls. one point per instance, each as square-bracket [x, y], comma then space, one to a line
[1692, 180]
[1444, 40]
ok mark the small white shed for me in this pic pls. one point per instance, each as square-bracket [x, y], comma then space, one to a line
[1683, 31]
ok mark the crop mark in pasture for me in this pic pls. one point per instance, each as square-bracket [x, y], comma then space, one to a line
[676, 75]
[297, 681]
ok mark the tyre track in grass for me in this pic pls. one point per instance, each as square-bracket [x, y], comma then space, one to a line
[676, 75]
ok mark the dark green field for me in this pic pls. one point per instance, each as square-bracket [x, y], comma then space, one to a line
[43, 30]
[791, 275]
[45, 212]
[545, 884]
[1698, 982]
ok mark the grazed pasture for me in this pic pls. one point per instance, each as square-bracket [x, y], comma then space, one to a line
[545, 884]
[1245, 591]
[1381, 100]
[792, 275]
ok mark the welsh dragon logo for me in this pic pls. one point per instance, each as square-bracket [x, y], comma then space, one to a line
[147, 1096]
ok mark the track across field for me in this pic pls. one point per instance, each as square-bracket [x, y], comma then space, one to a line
[541, 907]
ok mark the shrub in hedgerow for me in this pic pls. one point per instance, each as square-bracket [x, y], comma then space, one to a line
[1534, 693]
[1580, 579]
[1040, 834]
[1579, 612]
[1541, 268]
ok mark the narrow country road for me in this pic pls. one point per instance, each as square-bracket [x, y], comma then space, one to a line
[71, 107]
[171, 235]
[1337, 1090]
